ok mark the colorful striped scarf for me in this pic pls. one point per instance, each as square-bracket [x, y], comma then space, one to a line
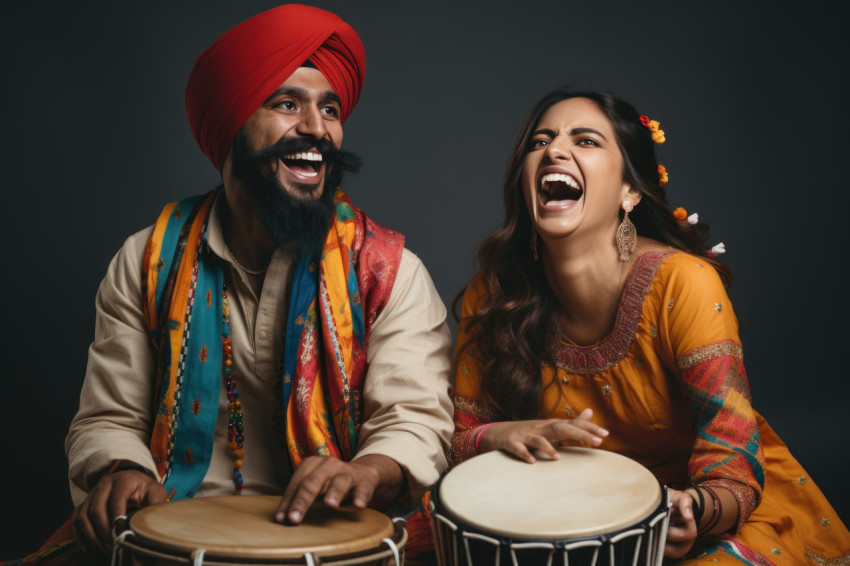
[333, 303]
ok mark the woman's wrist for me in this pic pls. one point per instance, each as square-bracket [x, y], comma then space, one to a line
[472, 445]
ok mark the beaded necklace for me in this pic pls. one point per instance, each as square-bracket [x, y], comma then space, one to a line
[235, 433]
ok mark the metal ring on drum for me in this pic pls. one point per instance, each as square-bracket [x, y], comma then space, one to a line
[237, 530]
[589, 508]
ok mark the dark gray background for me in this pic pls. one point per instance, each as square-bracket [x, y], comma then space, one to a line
[752, 96]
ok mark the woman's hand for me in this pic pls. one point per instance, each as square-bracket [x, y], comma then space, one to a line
[682, 531]
[519, 437]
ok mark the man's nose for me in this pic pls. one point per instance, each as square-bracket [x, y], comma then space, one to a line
[312, 124]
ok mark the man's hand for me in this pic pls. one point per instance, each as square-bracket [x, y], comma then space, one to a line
[113, 495]
[372, 479]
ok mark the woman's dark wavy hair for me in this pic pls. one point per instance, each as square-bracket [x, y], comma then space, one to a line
[515, 332]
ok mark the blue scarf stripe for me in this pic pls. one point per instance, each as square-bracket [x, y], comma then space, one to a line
[193, 446]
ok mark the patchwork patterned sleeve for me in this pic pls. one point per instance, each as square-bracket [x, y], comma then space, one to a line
[699, 330]
[471, 417]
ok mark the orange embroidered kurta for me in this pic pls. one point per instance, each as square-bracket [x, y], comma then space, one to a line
[669, 384]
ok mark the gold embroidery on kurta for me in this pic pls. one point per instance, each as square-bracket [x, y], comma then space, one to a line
[653, 331]
[718, 307]
[840, 560]
[802, 480]
[476, 409]
[670, 304]
[606, 390]
[709, 352]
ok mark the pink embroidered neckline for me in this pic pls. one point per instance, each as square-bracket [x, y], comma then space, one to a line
[588, 360]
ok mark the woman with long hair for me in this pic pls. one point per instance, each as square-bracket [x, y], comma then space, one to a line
[599, 317]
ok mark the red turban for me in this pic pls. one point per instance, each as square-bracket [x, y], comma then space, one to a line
[237, 73]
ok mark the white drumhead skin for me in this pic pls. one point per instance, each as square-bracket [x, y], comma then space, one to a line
[242, 526]
[587, 492]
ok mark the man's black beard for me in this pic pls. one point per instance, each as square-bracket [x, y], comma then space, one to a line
[295, 225]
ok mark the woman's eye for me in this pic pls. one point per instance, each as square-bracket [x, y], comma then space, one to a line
[588, 142]
[539, 143]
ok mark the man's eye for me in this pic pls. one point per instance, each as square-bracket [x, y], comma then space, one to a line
[287, 105]
[330, 111]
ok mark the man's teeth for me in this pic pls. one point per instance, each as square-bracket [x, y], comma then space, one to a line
[307, 156]
[566, 179]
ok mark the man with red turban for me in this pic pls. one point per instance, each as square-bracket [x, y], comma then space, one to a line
[267, 337]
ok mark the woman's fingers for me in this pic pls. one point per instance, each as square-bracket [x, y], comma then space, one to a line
[682, 531]
[522, 437]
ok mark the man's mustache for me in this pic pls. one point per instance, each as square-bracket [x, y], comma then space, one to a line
[339, 158]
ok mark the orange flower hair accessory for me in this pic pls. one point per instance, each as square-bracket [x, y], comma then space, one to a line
[662, 175]
[680, 213]
[654, 127]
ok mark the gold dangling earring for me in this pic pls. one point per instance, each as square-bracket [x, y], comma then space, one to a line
[626, 234]
[534, 243]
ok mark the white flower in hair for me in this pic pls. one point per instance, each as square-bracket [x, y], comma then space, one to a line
[693, 218]
[719, 249]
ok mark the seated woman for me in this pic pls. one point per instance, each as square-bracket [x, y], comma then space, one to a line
[600, 318]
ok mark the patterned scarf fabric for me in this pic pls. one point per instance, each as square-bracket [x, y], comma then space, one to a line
[333, 303]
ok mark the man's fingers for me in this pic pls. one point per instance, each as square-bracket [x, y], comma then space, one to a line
[97, 514]
[293, 487]
[310, 479]
[304, 496]
[154, 494]
[363, 493]
[338, 487]
[84, 530]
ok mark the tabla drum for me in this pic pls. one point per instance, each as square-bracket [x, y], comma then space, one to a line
[590, 508]
[239, 529]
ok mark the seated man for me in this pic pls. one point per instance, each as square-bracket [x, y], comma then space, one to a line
[268, 337]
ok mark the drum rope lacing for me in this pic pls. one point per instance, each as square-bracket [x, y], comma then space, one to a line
[393, 548]
[118, 549]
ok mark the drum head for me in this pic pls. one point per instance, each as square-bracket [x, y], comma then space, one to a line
[242, 526]
[587, 492]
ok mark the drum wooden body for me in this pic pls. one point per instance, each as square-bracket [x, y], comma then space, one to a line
[590, 508]
[241, 530]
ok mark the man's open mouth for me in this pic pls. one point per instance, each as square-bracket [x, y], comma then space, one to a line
[559, 187]
[306, 164]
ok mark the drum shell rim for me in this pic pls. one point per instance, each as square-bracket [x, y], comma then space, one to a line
[399, 538]
[439, 509]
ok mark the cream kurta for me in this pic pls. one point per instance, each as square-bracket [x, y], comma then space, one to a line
[407, 407]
